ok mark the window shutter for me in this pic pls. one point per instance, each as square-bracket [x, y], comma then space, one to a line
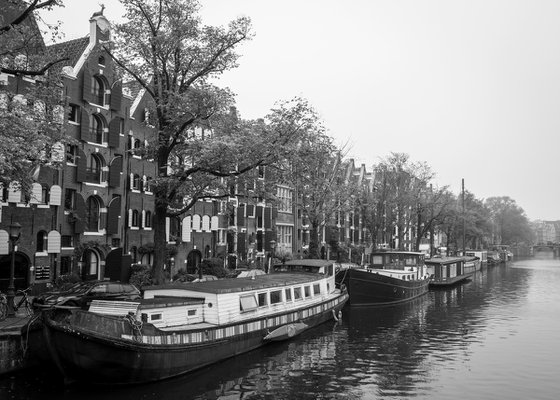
[86, 86]
[215, 224]
[114, 134]
[267, 218]
[4, 243]
[55, 197]
[53, 242]
[196, 223]
[241, 242]
[36, 192]
[187, 230]
[113, 215]
[206, 223]
[268, 236]
[116, 96]
[259, 240]
[250, 210]
[84, 125]
[115, 170]
[14, 195]
[79, 214]
[82, 165]
[241, 215]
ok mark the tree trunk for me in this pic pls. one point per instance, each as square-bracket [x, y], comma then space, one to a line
[159, 243]
[314, 240]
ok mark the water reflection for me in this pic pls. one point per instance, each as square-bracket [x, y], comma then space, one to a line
[492, 337]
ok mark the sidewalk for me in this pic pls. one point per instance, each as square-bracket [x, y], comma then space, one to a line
[13, 325]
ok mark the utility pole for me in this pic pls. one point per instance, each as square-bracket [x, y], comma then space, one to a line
[463, 201]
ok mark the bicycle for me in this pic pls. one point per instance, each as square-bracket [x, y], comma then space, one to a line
[22, 302]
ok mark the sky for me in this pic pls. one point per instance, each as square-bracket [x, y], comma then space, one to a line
[471, 87]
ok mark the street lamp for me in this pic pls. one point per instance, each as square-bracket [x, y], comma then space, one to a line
[270, 261]
[14, 232]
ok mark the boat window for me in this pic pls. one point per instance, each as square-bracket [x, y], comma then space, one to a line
[316, 289]
[262, 299]
[275, 297]
[377, 260]
[410, 260]
[155, 317]
[297, 293]
[330, 270]
[192, 313]
[248, 302]
[288, 292]
[307, 291]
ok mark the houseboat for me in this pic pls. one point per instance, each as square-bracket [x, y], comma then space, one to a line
[482, 256]
[392, 277]
[177, 328]
[447, 271]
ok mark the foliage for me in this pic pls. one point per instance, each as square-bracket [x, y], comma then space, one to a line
[31, 110]
[141, 275]
[510, 225]
[201, 143]
[214, 266]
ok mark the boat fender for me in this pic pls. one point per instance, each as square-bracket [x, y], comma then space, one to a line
[340, 315]
[334, 315]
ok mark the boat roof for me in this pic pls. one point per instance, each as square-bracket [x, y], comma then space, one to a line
[231, 285]
[308, 262]
[414, 253]
[444, 260]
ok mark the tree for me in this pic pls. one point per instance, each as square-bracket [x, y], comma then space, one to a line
[201, 144]
[433, 208]
[510, 224]
[31, 109]
[315, 169]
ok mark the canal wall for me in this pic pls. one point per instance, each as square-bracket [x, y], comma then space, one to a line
[12, 355]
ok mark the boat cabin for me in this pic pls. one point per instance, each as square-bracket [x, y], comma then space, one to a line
[445, 268]
[404, 265]
[291, 286]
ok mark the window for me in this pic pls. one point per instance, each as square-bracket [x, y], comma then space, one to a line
[288, 294]
[262, 299]
[275, 297]
[135, 222]
[65, 265]
[284, 235]
[71, 154]
[41, 241]
[316, 289]
[307, 291]
[136, 182]
[101, 60]
[284, 199]
[66, 241]
[148, 220]
[92, 214]
[97, 129]
[155, 317]
[93, 172]
[69, 199]
[44, 194]
[98, 88]
[74, 113]
[192, 313]
[115, 242]
[297, 293]
[248, 303]
[261, 171]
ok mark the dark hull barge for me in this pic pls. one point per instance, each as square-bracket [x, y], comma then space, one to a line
[181, 328]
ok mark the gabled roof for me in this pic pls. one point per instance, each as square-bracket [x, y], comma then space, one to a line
[72, 49]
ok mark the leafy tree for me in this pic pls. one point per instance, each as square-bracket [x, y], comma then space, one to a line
[434, 207]
[510, 225]
[31, 110]
[315, 170]
[201, 144]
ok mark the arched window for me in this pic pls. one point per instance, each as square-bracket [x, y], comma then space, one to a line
[98, 88]
[94, 171]
[148, 222]
[135, 219]
[90, 265]
[92, 214]
[97, 129]
[41, 241]
[136, 182]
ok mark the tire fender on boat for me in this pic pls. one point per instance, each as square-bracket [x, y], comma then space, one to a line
[337, 317]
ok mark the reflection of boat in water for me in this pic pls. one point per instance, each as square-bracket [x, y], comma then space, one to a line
[392, 277]
[178, 328]
[448, 271]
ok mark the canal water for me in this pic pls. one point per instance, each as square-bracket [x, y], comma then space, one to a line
[494, 337]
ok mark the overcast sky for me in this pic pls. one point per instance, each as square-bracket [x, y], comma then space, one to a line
[470, 87]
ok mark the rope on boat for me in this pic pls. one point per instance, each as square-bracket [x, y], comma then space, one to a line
[25, 342]
[135, 325]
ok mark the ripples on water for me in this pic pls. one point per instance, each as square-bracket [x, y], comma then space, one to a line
[495, 337]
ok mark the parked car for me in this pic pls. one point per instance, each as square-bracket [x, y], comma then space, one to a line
[82, 293]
